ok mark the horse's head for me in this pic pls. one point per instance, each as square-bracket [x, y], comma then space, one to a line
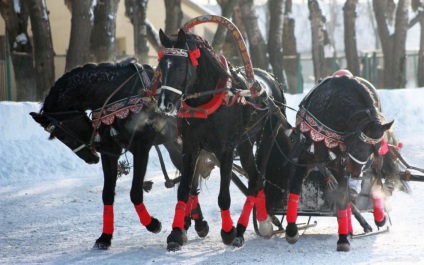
[364, 143]
[73, 128]
[188, 65]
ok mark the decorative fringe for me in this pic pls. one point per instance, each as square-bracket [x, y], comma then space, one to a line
[331, 155]
[311, 149]
[97, 138]
[113, 132]
[288, 132]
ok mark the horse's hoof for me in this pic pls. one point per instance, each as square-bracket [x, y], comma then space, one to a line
[381, 223]
[175, 240]
[103, 242]
[292, 233]
[265, 228]
[345, 247]
[343, 243]
[173, 246]
[185, 237]
[229, 237]
[155, 226]
[202, 228]
[238, 241]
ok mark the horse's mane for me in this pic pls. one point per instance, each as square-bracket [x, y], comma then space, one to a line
[344, 95]
[210, 69]
[68, 86]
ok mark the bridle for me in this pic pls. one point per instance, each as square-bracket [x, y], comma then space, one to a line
[58, 123]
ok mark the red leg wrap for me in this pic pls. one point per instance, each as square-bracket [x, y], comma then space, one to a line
[342, 219]
[108, 219]
[349, 218]
[143, 214]
[378, 209]
[261, 213]
[247, 209]
[227, 222]
[292, 205]
[194, 206]
[180, 210]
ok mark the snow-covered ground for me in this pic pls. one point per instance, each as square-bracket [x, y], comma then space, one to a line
[51, 208]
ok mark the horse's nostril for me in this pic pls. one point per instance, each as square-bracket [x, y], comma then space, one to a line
[169, 106]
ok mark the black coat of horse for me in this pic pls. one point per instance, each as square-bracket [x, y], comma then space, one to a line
[339, 127]
[121, 120]
[206, 93]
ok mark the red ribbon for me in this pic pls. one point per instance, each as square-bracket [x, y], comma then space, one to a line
[193, 56]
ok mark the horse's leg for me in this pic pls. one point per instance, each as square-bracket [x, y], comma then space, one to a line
[228, 231]
[378, 204]
[175, 238]
[141, 155]
[342, 203]
[110, 172]
[292, 232]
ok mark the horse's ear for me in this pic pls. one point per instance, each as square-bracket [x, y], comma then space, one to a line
[388, 125]
[163, 38]
[40, 119]
[181, 38]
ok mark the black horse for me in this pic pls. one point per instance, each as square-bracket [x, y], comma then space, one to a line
[214, 114]
[120, 120]
[339, 127]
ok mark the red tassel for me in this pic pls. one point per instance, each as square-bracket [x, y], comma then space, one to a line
[342, 219]
[143, 214]
[108, 219]
[193, 56]
[227, 222]
[292, 205]
[378, 209]
[261, 213]
[180, 209]
[247, 209]
[384, 148]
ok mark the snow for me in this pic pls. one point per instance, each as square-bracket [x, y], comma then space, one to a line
[51, 207]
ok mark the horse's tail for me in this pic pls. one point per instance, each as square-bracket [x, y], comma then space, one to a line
[278, 172]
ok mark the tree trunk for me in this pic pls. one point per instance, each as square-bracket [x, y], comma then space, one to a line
[136, 11]
[318, 38]
[257, 45]
[227, 10]
[393, 44]
[21, 49]
[275, 38]
[81, 26]
[173, 17]
[290, 60]
[153, 36]
[351, 50]
[43, 47]
[420, 74]
[102, 40]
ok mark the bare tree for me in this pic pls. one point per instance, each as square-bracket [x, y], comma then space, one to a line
[418, 7]
[136, 11]
[174, 16]
[257, 45]
[21, 49]
[275, 38]
[227, 10]
[319, 38]
[102, 40]
[290, 59]
[43, 47]
[81, 26]
[351, 50]
[393, 42]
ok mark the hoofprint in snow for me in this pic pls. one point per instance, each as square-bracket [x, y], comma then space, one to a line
[51, 208]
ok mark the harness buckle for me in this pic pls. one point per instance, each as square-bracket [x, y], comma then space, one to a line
[50, 128]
